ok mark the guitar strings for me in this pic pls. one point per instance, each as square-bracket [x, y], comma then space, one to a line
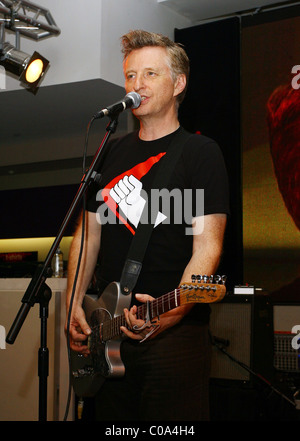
[115, 323]
[139, 311]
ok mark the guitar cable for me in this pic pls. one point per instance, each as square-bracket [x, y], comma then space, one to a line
[70, 311]
[219, 343]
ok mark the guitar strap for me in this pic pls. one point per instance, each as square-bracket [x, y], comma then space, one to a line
[137, 250]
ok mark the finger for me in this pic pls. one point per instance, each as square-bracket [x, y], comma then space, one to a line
[128, 333]
[134, 181]
[79, 330]
[127, 318]
[130, 315]
[123, 187]
[144, 298]
[79, 347]
[133, 324]
[133, 310]
[115, 195]
[128, 183]
[78, 342]
[78, 336]
[85, 328]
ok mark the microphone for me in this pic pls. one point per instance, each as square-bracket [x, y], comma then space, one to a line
[132, 99]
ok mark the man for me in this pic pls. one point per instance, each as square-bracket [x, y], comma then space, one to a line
[166, 376]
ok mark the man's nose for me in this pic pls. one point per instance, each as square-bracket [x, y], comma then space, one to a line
[138, 82]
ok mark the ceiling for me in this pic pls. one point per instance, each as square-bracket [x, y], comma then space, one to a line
[63, 108]
[66, 109]
[199, 10]
[47, 130]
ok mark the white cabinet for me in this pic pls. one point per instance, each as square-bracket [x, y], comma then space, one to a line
[19, 381]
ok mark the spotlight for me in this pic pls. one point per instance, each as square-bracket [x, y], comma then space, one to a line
[34, 71]
[29, 69]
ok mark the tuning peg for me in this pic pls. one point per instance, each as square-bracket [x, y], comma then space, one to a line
[224, 278]
[199, 278]
[218, 279]
[205, 279]
[211, 279]
[193, 278]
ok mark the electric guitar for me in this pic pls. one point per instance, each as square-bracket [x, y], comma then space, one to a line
[105, 316]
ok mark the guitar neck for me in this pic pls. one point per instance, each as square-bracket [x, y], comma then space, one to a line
[111, 328]
[186, 293]
[159, 306]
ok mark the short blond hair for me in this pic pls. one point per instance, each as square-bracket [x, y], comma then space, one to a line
[178, 60]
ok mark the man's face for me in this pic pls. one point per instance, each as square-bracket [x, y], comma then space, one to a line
[147, 72]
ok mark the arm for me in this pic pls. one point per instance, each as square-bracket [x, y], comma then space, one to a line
[79, 328]
[207, 249]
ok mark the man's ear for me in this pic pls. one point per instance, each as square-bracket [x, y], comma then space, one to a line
[180, 84]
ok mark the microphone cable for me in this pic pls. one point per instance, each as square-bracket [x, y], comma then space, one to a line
[76, 273]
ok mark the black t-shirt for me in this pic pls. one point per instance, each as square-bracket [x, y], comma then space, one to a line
[127, 173]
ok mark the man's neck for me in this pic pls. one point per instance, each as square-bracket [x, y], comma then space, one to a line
[150, 131]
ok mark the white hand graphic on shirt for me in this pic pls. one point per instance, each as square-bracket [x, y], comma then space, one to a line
[127, 194]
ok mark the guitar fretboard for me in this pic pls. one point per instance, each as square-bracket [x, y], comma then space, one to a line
[148, 311]
[158, 306]
[111, 328]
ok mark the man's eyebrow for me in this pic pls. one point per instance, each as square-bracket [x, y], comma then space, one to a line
[128, 71]
[145, 68]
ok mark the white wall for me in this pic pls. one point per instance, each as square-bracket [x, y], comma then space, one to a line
[74, 55]
[89, 44]
[120, 16]
[85, 75]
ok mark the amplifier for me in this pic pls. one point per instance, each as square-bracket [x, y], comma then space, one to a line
[243, 324]
[286, 342]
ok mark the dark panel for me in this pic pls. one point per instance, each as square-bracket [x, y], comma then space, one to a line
[245, 325]
[36, 212]
[266, 16]
[212, 107]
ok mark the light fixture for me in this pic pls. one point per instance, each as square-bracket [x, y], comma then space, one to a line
[29, 69]
[33, 21]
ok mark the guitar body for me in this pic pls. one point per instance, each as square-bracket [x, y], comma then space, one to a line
[105, 317]
[104, 360]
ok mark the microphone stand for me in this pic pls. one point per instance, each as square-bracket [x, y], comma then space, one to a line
[39, 292]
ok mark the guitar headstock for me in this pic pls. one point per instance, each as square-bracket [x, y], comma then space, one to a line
[220, 280]
[203, 289]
